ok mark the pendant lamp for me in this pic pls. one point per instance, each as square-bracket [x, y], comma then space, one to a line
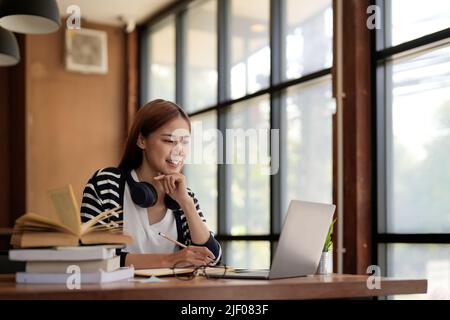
[29, 16]
[9, 49]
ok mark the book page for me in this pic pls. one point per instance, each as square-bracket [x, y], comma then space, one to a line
[31, 219]
[43, 239]
[102, 237]
[65, 204]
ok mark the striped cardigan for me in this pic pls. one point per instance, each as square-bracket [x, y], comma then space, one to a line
[105, 191]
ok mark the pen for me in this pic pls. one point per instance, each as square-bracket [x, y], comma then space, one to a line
[172, 240]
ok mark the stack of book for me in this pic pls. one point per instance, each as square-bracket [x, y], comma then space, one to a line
[85, 264]
[60, 247]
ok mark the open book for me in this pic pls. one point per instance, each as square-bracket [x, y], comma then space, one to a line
[33, 230]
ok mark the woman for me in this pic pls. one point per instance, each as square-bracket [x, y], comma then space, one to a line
[154, 153]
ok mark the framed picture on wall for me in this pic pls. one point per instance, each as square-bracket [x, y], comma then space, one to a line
[86, 51]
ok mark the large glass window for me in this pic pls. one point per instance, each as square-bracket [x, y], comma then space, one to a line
[412, 19]
[419, 157]
[227, 42]
[309, 152]
[247, 153]
[413, 114]
[201, 56]
[309, 37]
[161, 64]
[250, 50]
[248, 254]
[201, 165]
[421, 261]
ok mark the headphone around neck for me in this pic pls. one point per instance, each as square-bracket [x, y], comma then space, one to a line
[145, 195]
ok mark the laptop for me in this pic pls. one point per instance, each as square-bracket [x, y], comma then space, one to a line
[300, 245]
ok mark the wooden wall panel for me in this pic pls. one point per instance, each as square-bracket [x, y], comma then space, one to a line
[75, 122]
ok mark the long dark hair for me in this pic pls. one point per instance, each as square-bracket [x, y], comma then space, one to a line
[148, 119]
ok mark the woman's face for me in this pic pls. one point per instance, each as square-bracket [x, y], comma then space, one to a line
[166, 148]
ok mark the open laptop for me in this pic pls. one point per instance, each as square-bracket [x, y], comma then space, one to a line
[300, 245]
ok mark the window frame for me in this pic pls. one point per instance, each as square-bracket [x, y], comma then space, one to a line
[276, 91]
[381, 55]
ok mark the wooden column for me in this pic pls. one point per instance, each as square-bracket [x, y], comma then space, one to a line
[357, 137]
[132, 76]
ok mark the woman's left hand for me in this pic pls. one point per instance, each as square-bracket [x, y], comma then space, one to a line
[175, 186]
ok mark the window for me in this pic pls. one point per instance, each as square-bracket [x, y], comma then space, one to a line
[248, 254]
[411, 19]
[429, 261]
[419, 159]
[201, 56]
[161, 82]
[250, 51]
[201, 165]
[413, 137]
[242, 72]
[308, 121]
[249, 185]
[309, 37]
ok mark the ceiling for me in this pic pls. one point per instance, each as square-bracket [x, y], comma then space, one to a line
[109, 11]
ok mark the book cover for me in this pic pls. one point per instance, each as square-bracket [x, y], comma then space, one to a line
[78, 253]
[85, 277]
[106, 265]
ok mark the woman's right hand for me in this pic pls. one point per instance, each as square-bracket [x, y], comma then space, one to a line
[193, 255]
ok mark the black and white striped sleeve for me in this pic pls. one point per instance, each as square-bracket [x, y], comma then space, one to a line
[92, 203]
[109, 188]
[197, 205]
[102, 193]
[212, 244]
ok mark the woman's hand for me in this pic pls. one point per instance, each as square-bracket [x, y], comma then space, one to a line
[193, 255]
[175, 186]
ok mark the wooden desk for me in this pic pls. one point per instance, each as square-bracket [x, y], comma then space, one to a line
[312, 287]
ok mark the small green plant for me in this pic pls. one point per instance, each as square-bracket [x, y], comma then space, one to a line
[328, 241]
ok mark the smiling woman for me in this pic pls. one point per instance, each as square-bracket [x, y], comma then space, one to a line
[148, 184]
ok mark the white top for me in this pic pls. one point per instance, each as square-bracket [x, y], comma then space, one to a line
[145, 235]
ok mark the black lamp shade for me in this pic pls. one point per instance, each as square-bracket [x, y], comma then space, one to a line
[9, 50]
[29, 16]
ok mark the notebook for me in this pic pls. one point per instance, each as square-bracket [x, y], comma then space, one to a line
[161, 272]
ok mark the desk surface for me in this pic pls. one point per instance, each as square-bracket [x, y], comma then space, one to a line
[311, 287]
